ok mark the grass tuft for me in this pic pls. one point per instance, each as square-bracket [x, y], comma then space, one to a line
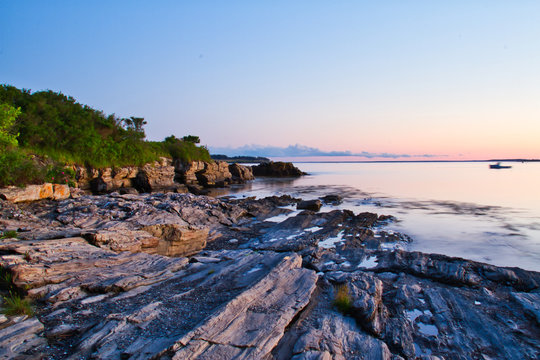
[9, 234]
[6, 280]
[16, 305]
[343, 300]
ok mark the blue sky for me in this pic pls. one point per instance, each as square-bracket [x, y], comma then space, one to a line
[460, 78]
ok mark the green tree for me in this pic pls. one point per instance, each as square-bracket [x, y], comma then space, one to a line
[191, 139]
[8, 115]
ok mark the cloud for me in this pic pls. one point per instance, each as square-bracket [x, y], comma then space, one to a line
[301, 150]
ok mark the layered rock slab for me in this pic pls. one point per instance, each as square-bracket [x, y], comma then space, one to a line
[105, 305]
[251, 325]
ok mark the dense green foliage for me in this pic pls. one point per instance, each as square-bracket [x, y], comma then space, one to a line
[8, 115]
[15, 166]
[56, 125]
[59, 130]
[186, 150]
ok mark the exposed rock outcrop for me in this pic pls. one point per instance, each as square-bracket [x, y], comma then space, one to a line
[240, 173]
[215, 174]
[264, 287]
[277, 169]
[158, 176]
[105, 180]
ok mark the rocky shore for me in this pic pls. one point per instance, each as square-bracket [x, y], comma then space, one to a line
[184, 276]
[165, 175]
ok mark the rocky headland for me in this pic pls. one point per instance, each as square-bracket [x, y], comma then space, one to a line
[183, 276]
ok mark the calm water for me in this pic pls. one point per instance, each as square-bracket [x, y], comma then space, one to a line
[457, 209]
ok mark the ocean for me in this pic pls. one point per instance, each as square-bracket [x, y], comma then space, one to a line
[461, 209]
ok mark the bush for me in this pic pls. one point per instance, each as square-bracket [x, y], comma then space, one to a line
[17, 169]
[59, 130]
[343, 300]
[186, 151]
[58, 174]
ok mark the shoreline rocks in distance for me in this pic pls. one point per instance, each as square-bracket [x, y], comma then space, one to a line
[164, 175]
[277, 169]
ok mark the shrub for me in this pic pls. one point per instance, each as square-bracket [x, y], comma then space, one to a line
[186, 151]
[17, 169]
[343, 300]
[58, 174]
[59, 131]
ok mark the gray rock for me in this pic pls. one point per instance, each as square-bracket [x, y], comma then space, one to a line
[20, 338]
[111, 295]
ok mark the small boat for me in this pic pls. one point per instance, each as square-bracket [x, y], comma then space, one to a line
[499, 166]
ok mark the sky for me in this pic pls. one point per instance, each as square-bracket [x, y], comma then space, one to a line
[376, 79]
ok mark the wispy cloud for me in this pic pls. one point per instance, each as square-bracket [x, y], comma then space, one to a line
[301, 150]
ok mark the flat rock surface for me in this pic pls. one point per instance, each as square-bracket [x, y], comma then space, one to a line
[257, 279]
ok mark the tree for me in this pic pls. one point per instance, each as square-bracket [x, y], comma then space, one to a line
[8, 115]
[192, 139]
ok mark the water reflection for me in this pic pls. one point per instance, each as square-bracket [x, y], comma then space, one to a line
[451, 209]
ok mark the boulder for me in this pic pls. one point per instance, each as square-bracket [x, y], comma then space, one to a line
[200, 173]
[277, 169]
[157, 176]
[215, 174]
[29, 193]
[176, 240]
[61, 192]
[332, 199]
[313, 205]
[240, 173]
[187, 172]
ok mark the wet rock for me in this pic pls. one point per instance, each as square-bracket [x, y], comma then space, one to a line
[367, 307]
[312, 205]
[530, 302]
[456, 271]
[277, 169]
[332, 199]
